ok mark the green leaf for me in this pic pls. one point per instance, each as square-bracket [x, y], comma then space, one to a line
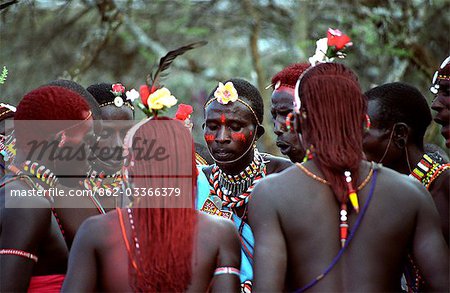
[3, 75]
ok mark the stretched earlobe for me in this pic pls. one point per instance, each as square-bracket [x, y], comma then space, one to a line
[259, 131]
[401, 132]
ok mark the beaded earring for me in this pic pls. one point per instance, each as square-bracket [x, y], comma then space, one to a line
[367, 124]
[289, 119]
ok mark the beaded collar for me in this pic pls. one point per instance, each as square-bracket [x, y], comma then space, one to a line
[234, 190]
[41, 172]
[428, 169]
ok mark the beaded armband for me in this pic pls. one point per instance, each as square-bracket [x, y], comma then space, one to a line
[427, 170]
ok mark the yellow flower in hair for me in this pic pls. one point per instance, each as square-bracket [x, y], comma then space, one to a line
[161, 98]
[226, 93]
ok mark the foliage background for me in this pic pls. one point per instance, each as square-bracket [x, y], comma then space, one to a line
[94, 41]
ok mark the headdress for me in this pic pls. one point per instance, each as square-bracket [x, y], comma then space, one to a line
[111, 94]
[442, 74]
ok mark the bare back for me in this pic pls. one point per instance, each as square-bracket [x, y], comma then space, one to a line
[99, 260]
[299, 224]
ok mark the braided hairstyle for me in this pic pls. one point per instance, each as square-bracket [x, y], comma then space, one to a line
[165, 226]
[335, 109]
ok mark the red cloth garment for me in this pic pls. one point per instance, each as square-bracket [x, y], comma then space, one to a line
[47, 284]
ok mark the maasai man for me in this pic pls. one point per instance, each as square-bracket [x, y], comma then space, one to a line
[233, 124]
[283, 85]
[399, 116]
[33, 252]
[117, 115]
[160, 244]
[340, 223]
[71, 218]
[7, 140]
[441, 104]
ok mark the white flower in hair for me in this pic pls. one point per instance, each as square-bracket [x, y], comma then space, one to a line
[132, 95]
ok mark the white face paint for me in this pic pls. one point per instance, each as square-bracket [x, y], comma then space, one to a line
[297, 102]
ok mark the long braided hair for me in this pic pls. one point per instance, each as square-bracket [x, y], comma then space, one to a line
[165, 226]
[333, 111]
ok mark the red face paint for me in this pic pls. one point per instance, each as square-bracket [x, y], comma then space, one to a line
[238, 136]
[251, 133]
[209, 137]
[223, 119]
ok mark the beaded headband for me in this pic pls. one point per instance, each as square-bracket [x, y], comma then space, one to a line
[238, 100]
[117, 90]
[115, 104]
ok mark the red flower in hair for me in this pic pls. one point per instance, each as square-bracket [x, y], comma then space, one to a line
[118, 88]
[144, 92]
[337, 39]
[183, 112]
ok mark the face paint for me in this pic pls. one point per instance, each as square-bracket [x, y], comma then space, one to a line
[209, 137]
[223, 119]
[239, 137]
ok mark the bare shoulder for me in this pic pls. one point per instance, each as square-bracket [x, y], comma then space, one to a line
[96, 228]
[276, 164]
[401, 186]
[274, 181]
[216, 225]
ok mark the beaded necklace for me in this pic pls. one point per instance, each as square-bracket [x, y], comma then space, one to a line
[46, 175]
[427, 170]
[41, 172]
[100, 181]
[235, 190]
[351, 195]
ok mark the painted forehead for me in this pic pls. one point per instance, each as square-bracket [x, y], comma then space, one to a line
[232, 112]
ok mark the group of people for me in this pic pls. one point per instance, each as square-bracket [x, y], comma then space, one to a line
[338, 215]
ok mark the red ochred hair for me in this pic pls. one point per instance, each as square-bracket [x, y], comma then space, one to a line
[335, 111]
[290, 74]
[166, 229]
[48, 103]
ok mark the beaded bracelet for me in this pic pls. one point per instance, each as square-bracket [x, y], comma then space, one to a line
[18, 252]
[227, 270]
